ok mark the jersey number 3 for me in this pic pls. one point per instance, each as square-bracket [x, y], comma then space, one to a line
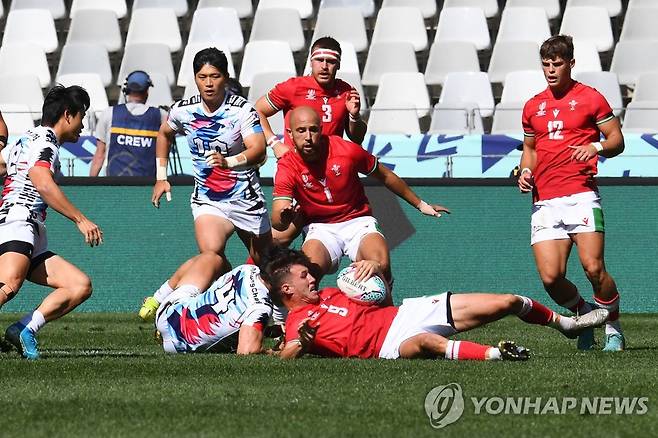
[326, 113]
[555, 128]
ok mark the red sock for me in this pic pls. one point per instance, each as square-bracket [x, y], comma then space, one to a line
[465, 350]
[534, 312]
[249, 261]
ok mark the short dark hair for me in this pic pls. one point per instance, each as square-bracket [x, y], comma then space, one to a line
[558, 46]
[212, 56]
[275, 267]
[234, 86]
[73, 99]
[327, 42]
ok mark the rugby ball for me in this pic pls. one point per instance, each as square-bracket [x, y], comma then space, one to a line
[371, 291]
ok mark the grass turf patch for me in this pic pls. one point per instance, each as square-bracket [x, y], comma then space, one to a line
[104, 375]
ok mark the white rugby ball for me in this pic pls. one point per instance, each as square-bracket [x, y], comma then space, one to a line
[371, 291]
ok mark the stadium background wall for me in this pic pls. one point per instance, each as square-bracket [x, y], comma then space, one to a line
[482, 246]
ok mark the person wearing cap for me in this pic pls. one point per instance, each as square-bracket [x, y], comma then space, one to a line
[126, 132]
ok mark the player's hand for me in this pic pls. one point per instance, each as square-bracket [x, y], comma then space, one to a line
[307, 333]
[215, 159]
[288, 213]
[353, 103]
[160, 188]
[584, 152]
[92, 232]
[432, 209]
[366, 269]
[526, 182]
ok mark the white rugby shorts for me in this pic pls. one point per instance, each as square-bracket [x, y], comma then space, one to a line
[247, 215]
[342, 238]
[31, 232]
[557, 218]
[429, 314]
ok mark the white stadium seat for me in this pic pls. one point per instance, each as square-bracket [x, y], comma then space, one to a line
[24, 90]
[612, 6]
[640, 24]
[455, 119]
[388, 57]
[86, 58]
[507, 118]
[632, 58]
[343, 24]
[509, 56]
[427, 7]
[524, 24]
[243, 8]
[415, 90]
[450, 56]
[154, 25]
[56, 7]
[32, 61]
[264, 56]
[586, 56]
[463, 24]
[304, 7]
[641, 117]
[394, 118]
[646, 87]
[278, 24]
[519, 86]
[552, 7]
[96, 26]
[148, 57]
[588, 23]
[119, 7]
[367, 7]
[17, 117]
[488, 7]
[217, 24]
[606, 83]
[463, 87]
[35, 26]
[90, 82]
[401, 24]
[179, 6]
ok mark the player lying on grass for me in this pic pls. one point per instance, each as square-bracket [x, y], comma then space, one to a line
[328, 323]
[202, 313]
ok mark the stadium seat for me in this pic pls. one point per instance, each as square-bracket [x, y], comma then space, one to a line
[641, 117]
[354, 80]
[640, 24]
[34, 26]
[85, 58]
[632, 58]
[348, 59]
[147, 57]
[489, 7]
[588, 23]
[305, 7]
[415, 90]
[463, 87]
[32, 61]
[519, 86]
[507, 118]
[278, 24]
[159, 93]
[154, 25]
[264, 56]
[612, 6]
[119, 7]
[186, 73]
[586, 56]
[524, 24]
[190, 90]
[641, 4]
[2, 10]
[263, 82]
[646, 87]
[367, 6]
[394, 118]
[401, 24]
[607, 84]
[427, 7]
[388, 57]
[456, 119]
[450, 56]
[90, 82]
[463, 24]
[343, 24]
[95, 26]
[509, 56]
[179, 6]
[243, 8]
[56, 7]
[552, 7]
[22, 89]
[221, 25]
[17, 117]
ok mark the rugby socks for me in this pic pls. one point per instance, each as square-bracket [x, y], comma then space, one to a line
[534, 312]
[163, 292]
[465, 350]
[578, 305]
[33, 321]
[612, 326]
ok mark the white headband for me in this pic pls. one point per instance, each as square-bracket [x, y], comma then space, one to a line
[325, 53]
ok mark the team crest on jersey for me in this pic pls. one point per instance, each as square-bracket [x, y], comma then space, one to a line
[307, 181]
[542, 109]
[336, 169]
[572, 105]
[310, 94]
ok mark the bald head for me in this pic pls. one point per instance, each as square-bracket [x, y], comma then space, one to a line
[305, 129]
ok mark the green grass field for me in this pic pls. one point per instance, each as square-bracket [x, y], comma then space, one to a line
[104, 375]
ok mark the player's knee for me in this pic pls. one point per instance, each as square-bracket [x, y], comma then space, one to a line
[593, 269]
[81, 288]
[551, 278]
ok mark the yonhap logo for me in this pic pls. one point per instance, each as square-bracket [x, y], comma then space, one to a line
[444, 405]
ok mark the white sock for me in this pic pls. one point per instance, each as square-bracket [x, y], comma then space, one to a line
[34, 321]
[613, 328]
[562, 323]
[494, 354]
[163, 292]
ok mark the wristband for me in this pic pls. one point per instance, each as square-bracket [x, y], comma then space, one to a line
[355, 119]
[160, 171]
[524, 170]
[273, 139]
[598, 146]
[236, 160]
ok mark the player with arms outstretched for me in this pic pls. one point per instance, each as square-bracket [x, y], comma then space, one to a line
[226, 143]
[328, 323]
[562, 128]
[29, 190]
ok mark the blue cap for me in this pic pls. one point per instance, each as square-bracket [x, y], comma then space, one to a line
[138, 81]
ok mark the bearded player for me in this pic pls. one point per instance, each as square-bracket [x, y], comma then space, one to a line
[562, 128]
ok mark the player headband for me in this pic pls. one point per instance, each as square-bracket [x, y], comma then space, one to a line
[325, 53]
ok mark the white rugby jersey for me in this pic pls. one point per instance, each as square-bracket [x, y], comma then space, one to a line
[221, 131]
[20, 199]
